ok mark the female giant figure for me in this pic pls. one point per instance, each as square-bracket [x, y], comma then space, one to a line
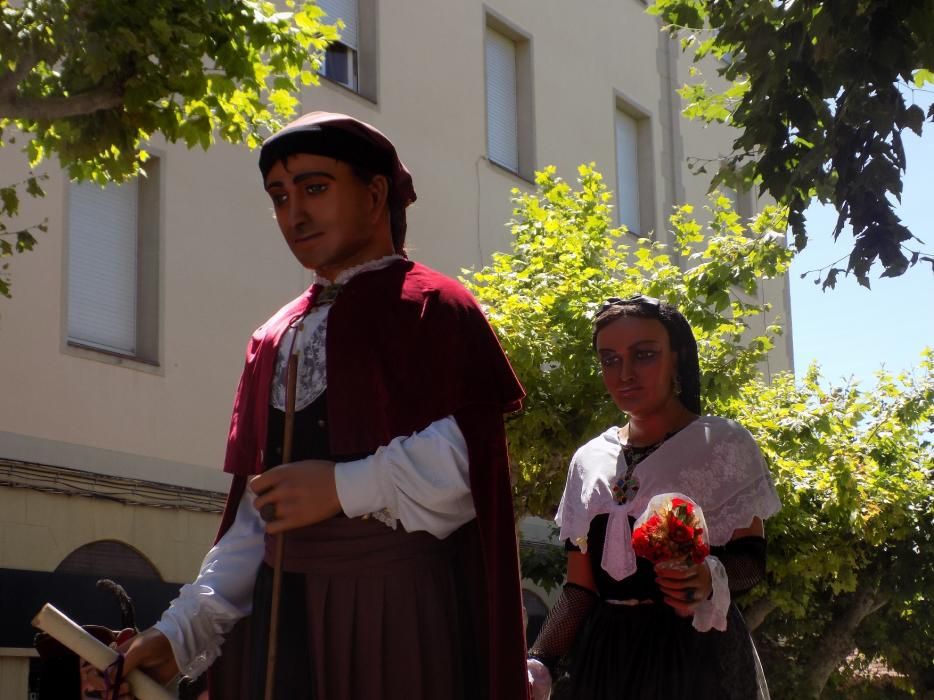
[638, 630]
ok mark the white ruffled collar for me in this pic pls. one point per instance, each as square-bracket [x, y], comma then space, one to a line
[345, 276]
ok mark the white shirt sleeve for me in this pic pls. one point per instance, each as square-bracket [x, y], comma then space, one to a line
[222, 594]
[422, 480]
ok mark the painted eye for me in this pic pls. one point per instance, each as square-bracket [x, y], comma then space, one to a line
[610, 362]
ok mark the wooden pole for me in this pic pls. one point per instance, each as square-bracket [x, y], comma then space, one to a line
[273, 642]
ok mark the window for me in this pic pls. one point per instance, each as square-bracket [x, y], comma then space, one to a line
[627, 171]
[501, 101]
[635, 201]
[508, 99]
[340, 65]
[340, 61]
[113, 266]
[351, 60]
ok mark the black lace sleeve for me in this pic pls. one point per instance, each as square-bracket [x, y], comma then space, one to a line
[744, 561]
[562, 625]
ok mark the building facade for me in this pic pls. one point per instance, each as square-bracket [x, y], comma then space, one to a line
[121, 349]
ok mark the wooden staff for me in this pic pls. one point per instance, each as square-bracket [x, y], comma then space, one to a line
[273, 644]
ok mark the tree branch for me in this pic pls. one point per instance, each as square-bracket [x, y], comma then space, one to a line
[15, 106]
[818, 270]
[10, 81]
[50, 108]
[837, 640]
[756, 613]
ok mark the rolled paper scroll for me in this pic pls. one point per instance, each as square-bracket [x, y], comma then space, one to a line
[100, 656]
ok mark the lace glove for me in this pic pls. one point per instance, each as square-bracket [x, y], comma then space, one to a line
[744, 561]
[562, 625]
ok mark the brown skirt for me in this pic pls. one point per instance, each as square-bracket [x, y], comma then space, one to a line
[367, 613]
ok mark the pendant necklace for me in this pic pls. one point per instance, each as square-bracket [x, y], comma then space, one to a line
[626, 487]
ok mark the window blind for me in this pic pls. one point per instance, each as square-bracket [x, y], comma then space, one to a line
[501, 101]
[347, 11]
[102, 265]
[627, 171]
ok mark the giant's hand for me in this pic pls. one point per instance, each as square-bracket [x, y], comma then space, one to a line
[149, 651]
[684, 588]
[296, 494]
[539, 680]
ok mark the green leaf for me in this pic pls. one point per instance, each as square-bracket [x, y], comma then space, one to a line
[9, 201]
[33, 189]
[914, 119]
[922, 76]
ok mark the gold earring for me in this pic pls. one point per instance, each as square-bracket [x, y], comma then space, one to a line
[676, 385]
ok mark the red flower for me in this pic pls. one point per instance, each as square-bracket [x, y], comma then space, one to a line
[701, 550]
[671, 532]
[679, 532]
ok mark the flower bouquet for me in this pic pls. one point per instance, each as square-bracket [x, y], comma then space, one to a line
[671, 531]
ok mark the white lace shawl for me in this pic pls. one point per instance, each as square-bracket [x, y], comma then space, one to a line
[713, 460]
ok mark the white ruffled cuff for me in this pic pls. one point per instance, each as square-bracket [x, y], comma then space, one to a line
[360, 487]
[206, 610]
[195, 632]
[711, 614]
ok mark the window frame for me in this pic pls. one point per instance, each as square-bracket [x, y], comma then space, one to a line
[149, 273]
[645, 162]
[525, 112]
[365, 56]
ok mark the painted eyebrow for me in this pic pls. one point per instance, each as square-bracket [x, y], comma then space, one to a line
[301, 177]
[645, 342]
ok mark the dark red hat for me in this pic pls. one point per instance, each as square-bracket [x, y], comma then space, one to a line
[344, 138]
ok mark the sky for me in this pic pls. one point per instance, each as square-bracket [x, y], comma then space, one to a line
[852, 331]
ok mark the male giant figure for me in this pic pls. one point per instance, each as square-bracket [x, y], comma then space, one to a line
[401, 577]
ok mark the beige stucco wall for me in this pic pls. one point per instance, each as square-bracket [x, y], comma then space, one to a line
[14, 677]
[38, 530]
[224, 272]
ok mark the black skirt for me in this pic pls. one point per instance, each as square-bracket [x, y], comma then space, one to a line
[371, 613]
[647, 652]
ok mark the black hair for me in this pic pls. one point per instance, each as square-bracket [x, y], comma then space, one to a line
[680, 336]
[397, 221]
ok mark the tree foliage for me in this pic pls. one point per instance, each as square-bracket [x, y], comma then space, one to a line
[15, 239]
[91, 81]
[850, 553]
[566, 259]
[818, 91]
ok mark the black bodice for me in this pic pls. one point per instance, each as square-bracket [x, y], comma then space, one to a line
[310, 437]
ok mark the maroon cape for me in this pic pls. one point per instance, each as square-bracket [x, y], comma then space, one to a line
[407, 346]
